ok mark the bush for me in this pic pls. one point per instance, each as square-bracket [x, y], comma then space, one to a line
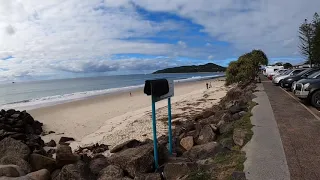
[246, 67]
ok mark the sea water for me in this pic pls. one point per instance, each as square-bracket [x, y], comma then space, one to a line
[36, 94]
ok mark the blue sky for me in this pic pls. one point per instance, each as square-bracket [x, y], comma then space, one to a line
[76, 38]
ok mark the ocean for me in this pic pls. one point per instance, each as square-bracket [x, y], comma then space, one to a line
[34, 94]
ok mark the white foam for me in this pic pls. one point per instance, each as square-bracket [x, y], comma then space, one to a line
[59, 99]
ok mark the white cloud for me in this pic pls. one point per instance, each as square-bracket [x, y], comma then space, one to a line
[210, 57]
[208, 45]
[182, 44]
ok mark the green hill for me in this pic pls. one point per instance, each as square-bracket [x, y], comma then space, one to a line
[210, 67]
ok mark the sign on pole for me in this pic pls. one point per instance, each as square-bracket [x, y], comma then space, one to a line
[160, 89]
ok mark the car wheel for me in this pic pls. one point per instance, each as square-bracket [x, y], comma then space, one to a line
[315, 99]
[281, 83]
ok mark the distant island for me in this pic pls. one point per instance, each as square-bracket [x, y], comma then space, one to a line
[210, 67]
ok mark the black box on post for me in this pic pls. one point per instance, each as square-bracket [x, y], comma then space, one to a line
[157, 87]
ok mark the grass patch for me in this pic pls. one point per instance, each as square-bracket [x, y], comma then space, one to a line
[199, 175]
[230, 161]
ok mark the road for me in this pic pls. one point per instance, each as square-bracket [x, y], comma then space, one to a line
[299, 127]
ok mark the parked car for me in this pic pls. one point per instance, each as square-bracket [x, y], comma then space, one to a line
[280, 71]
[287, 82]
[308, 89]
[270, 69]
[277, 80]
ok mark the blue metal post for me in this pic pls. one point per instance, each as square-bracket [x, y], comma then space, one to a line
[169, 126]
[154, 128]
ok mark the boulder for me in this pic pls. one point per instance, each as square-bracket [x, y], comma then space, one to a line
[206, 135]
[97, 164]
[202, 151]
[187, 142]
[226, 117]
[179, 170]
[237, 175]
[51, 143]
[111, 172]
[227, 143]
[239, 136]
[128, 144]
[225, 128]
[148, 176]
[12, 147]
[214, 128]
[236, 116]
[42, 174]
[11, 171]
[235, 108]
[39, 162]
[64, 155]
[16, 160]
[55, 174]
[134, 160]
[77, 171]
[64, 140]
[242, 113]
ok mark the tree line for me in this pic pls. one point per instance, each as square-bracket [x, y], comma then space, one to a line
[309, 35]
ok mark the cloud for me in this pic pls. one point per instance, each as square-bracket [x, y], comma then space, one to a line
[182, 44]
[210, 57]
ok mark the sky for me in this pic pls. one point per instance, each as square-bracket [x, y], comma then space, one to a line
[75, 38]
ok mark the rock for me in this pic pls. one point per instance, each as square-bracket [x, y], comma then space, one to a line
[16, 160]
[134, 160]
[227, 143]
[187, 142]
[239, 136]
[64, 155]
[235, 108]
[242, 113]
[202, 151]
[97, 164]
[77, 171]
[55, 174]
[128, 144]
[94, 149]
[149, 176]
[236, 116]
[11, 171]
[51, 143]
[42, 174]
[64, 140]
[50, 152]
[12, 147]
[226, 117]
[178, 170]
[206, 135]
[237, 175]
[111, 172]
[39, 162]
[225, 128]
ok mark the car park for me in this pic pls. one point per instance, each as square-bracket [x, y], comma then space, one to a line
[278, 80]
[280, 71]
[271, 69]
[288, 81]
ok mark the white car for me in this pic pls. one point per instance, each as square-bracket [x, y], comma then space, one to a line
[277, 80]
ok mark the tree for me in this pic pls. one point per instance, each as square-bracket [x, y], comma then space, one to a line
[309, 39]
[246, 67]
[278, 64]
[287, 65]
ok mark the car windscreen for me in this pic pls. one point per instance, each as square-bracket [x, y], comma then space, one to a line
[303, 72]
[314, 75]
[287, 72]
[297, 71]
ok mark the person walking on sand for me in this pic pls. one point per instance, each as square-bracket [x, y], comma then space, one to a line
[130, 94]
[207, 85]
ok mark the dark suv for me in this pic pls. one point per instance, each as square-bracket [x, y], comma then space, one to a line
[309, 89]
[287, 82]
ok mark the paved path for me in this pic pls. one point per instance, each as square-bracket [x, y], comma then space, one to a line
[265, 155]
[299, 131]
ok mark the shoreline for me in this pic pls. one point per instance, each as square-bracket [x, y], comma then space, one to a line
[88, 122]
[47, 101]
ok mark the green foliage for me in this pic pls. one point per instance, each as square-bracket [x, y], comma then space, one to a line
[287, 65]
[246, 67]
[310, 39]
[210, 67]
[199, 175]
[278, 64]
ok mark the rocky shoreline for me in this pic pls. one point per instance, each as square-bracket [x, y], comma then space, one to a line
[202, 148]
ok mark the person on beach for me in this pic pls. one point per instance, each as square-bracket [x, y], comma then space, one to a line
[207, 85]
[130, 94]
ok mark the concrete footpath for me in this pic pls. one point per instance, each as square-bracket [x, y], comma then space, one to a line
[266, 159]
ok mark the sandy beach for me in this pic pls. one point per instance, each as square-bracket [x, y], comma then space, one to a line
[112, 119]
